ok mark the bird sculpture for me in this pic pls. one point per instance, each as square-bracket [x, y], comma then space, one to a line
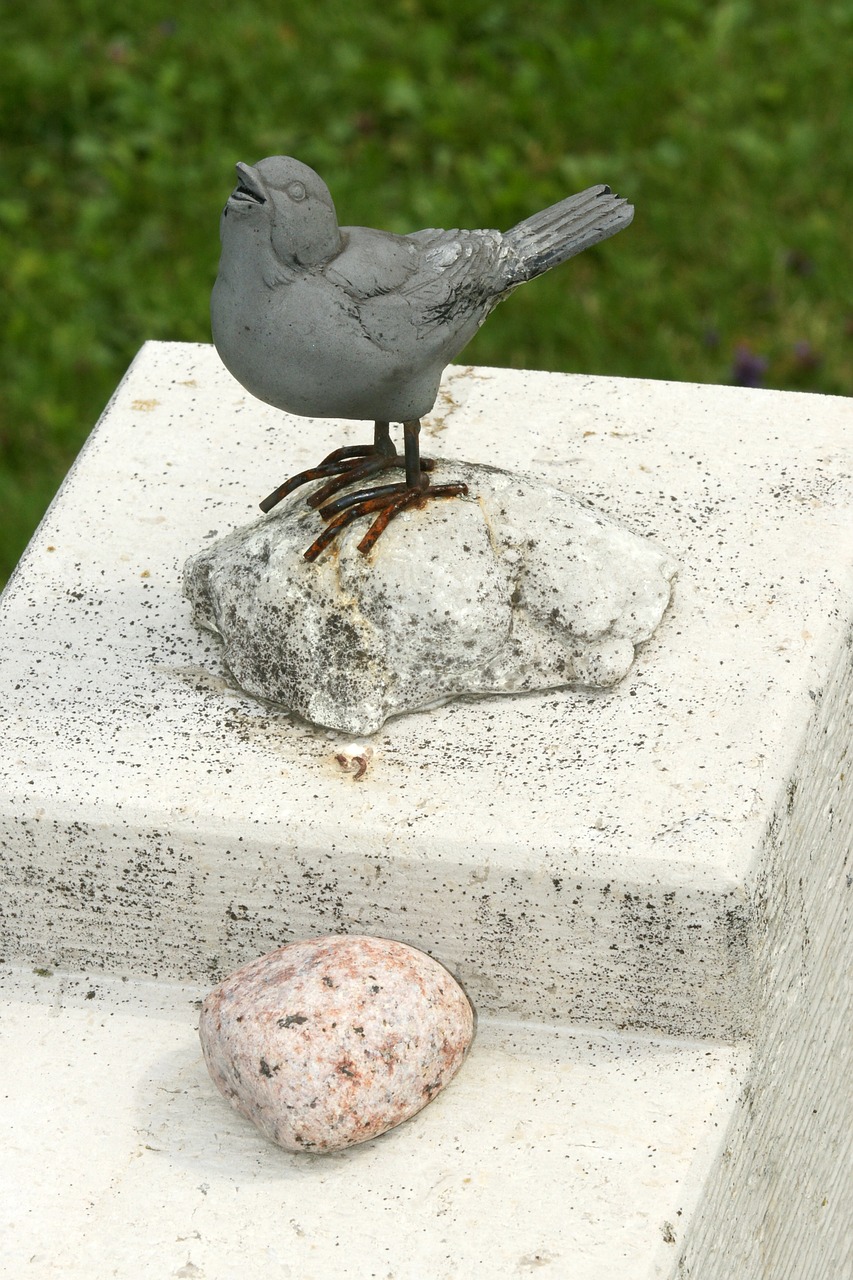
[347, 322]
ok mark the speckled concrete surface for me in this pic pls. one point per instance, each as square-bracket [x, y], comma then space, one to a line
[553, 1153]
[780, 1201]
[587, 856]
[329, 1042]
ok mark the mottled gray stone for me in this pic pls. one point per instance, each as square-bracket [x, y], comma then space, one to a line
[516, 587]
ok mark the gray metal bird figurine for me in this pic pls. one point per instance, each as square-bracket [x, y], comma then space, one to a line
[348, 322]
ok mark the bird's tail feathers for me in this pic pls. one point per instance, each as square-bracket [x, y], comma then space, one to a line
[564, 229]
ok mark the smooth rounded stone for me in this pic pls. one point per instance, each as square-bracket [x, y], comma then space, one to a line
[327, 1043]
[517, 587]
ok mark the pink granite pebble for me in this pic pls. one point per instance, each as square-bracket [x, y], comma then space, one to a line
[326, 1043]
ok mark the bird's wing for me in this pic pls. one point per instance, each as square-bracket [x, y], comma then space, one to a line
[459, 273]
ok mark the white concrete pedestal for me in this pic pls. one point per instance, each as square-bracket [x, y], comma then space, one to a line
[669, 859]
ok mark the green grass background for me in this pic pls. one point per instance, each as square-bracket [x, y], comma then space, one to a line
[730, 125]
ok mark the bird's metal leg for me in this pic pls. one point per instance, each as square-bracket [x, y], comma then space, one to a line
[386, 500]
[382, 442]
[352, 463]
[415, 478]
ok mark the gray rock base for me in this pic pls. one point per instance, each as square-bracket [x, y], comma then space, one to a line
[516, 587]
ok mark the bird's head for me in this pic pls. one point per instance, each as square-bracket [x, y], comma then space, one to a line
[284, 199]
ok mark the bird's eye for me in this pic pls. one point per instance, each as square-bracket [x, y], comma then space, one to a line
[296, 191]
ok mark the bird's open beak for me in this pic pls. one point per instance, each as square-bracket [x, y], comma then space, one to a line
[249, 189]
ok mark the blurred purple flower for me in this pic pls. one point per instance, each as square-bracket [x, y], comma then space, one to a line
[748, 369]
